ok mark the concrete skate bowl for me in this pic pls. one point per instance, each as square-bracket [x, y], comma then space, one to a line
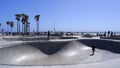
[59, 52]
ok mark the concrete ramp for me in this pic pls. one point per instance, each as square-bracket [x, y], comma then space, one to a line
[70, 53]
[20, 55]
[73, 52]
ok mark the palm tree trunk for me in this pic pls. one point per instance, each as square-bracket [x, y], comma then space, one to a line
[11, 31]
[17, 26]
[8, 30]
[22, 28]
[38, 26]
[27, 28]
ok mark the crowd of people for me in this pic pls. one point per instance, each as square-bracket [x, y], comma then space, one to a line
[109, 34]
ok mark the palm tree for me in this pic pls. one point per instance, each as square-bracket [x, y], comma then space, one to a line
[28, 25]
[37, 23]
[24, 22]
[18, 22]
[1, 29]
[0, 24]
[8, 22]
[11, 25]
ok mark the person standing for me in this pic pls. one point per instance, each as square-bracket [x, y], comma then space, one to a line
[93, 50]
[48, 35]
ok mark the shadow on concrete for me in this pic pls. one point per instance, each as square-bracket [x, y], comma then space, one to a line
[48, 48]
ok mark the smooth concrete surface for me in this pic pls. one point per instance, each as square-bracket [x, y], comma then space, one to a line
[74, 54]
[70, 53]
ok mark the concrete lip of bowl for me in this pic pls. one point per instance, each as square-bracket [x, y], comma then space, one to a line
[59, 52]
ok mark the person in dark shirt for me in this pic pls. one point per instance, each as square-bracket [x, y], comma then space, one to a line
[93, 50]
[48, 35]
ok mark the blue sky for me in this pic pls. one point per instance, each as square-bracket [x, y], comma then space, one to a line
[68, 15]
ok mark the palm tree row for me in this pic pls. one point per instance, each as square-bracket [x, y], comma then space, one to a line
[23, 18]
[25, 23]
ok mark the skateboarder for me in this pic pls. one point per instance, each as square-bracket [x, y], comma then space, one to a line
[93, 50]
